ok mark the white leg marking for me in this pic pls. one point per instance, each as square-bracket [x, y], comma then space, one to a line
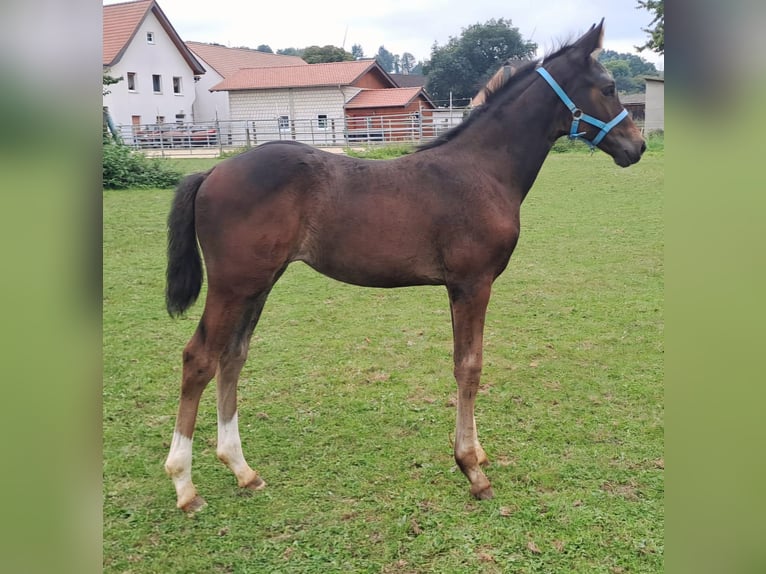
[229, 451]
[178, 467]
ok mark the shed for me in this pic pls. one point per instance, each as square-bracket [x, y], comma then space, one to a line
[655, 104]
[393, 114]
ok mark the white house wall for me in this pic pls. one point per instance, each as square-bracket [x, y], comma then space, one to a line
[655, 106]
[302, 106]
[297, 103]
[209, 106]
[144, 59]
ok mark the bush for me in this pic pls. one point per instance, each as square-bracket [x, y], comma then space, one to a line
[566, 145]
[655, 141]
[233, 152]
[124, 168]
[382, 152]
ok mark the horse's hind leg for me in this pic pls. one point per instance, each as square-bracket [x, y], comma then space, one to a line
[200, 359]
[229, 450]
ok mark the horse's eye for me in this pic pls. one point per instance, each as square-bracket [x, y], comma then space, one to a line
[608, 91]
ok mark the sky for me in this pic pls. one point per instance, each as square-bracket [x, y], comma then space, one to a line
[402, 25]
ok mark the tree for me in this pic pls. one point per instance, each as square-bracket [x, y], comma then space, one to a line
[407, 62]
[357, 52]
[656, 29]
[628, 70]
[385, 59]
[290, 52]
[265, 48]
[108, 81]
[328, 53]
[623, 79]
[463, 65]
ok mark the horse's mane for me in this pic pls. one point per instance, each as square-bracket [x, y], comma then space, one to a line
[505, 90]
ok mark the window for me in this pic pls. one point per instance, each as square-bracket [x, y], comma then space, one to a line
[131, 81]
[150, 37]
[322, 121]
[157, 83]
[176, 84]
[284, 123]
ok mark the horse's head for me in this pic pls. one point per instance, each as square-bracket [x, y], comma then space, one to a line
[595, 113]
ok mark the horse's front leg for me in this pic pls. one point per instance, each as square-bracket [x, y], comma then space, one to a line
[468, 304]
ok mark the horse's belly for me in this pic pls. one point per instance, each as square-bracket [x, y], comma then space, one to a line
[374, 267]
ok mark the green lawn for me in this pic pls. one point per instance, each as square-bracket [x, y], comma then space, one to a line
[346, 404]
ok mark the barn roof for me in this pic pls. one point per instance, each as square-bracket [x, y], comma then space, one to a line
[228, 61]
[410, 80]
[308, 76]
[387, 98]
[121, 22]
[631, 99]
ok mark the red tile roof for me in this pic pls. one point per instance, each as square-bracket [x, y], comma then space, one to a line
[228, 61]
[389, 98]
[310, 75]
[120, 23]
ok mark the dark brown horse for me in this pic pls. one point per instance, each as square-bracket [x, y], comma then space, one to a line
[447, 214]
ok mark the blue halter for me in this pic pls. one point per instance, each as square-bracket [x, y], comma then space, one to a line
[577, 114]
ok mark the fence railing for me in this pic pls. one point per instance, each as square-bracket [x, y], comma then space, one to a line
[321, 132]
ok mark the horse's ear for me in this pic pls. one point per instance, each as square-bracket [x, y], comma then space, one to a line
[592, 41]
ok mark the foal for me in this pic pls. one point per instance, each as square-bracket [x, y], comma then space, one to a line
[447, 214]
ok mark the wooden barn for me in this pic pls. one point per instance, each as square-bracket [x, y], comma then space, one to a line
[393, 114]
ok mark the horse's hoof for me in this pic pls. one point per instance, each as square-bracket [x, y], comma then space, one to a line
[256, 484]
[484, 493]
[194, 505]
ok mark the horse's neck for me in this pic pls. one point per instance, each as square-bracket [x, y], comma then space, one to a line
[515, 140]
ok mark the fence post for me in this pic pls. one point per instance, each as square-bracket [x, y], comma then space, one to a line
[162, 140]
[247, 137]
[420, 122]
[218, 136]
[311, 129]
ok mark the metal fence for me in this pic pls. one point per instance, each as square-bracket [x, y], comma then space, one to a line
[321, 132]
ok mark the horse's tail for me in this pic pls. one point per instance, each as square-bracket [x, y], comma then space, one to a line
[184, 272]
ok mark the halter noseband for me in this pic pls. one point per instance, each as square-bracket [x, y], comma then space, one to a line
[577, 114]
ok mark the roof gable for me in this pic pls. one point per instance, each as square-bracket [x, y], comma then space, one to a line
[388, 98]
[308, 76]
[228, 61]
[121, 22]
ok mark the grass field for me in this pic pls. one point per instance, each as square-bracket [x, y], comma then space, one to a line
[347, 404]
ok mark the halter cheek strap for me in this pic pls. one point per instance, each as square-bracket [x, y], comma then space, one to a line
[578, 115]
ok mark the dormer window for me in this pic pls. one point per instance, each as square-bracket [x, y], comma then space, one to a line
[150, 37]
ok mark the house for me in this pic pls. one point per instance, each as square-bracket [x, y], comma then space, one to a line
[391, 114]
[158, 70]
[655, 104]
[221, 63]
[311, 103]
